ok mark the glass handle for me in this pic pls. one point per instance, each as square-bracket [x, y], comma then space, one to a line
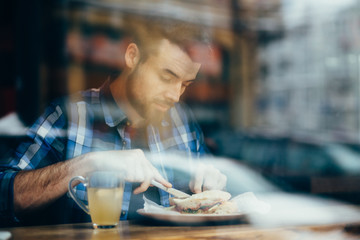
[72, 193]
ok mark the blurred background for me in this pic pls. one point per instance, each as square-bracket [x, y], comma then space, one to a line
[280, 92]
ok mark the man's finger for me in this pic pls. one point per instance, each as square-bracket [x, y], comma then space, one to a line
[198, 181]
[222, 183]
[142, 188]
[162, 180]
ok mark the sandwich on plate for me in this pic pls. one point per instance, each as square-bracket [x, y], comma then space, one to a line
[207, 202]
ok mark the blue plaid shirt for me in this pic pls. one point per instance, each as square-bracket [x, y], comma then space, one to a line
[92, 121]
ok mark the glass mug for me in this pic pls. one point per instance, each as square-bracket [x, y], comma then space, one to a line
[105, 194]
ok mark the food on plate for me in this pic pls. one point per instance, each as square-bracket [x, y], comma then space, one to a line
[227, 207]
[207, 202]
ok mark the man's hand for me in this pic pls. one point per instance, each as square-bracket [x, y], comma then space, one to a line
[133, 163]
[207, 177]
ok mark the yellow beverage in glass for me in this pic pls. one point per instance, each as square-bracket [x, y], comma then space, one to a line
[105, 206]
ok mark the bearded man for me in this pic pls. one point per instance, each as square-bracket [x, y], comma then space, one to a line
[126, 125]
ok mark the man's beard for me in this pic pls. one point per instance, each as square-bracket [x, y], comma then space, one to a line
[140, 104]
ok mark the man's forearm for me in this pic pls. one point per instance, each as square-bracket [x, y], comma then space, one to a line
[36, 188]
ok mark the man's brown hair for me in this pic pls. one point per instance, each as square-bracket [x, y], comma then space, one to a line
[147, 32]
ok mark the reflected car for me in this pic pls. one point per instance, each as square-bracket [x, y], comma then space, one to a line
[286, 209]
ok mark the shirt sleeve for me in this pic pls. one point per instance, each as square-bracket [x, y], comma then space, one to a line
[45, 144]
[6, 201]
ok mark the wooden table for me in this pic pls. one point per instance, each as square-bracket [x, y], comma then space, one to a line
[136, 230]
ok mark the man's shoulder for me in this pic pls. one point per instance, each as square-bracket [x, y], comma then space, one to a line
[89, 96]
[63, 105]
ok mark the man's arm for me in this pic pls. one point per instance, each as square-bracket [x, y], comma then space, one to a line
[36, 188]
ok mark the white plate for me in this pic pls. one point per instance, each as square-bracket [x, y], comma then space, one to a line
[193, 218]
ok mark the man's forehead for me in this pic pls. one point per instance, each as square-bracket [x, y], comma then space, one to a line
[178, 61]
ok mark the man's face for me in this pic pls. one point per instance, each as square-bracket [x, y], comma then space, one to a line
[156, 84]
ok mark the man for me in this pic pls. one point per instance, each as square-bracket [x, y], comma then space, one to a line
[126, 125]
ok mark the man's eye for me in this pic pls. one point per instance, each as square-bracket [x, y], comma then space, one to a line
[166, 79]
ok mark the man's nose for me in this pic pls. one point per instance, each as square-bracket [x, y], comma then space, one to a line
[174, 92]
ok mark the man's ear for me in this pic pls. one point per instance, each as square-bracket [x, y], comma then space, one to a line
[132, 55]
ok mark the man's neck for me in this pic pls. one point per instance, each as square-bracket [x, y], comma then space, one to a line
[117, 89]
